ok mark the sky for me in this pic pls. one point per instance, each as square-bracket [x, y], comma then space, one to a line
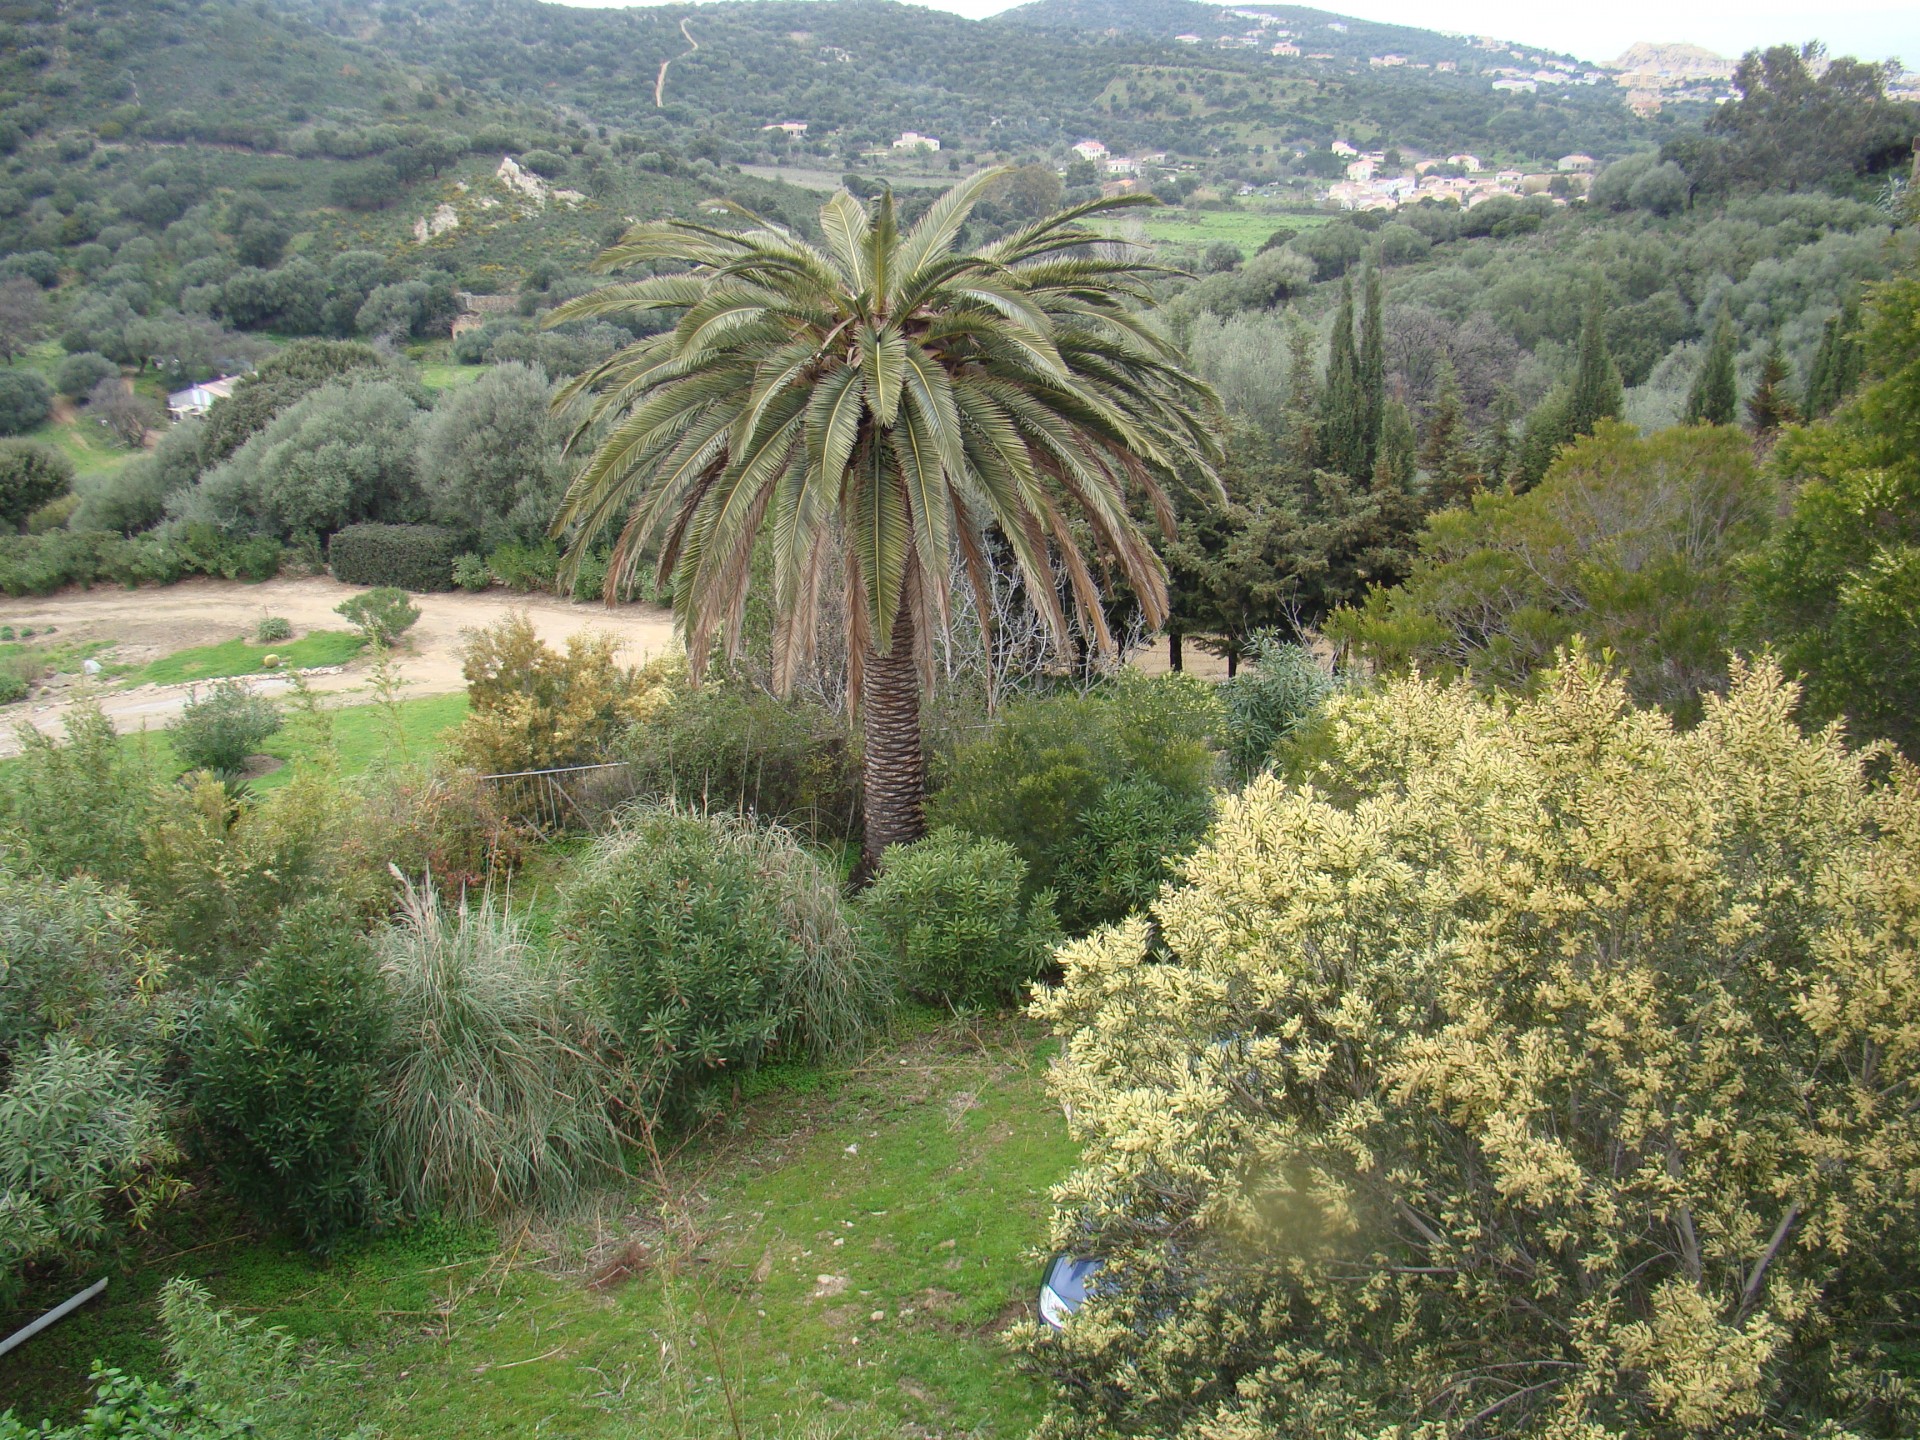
[1870, 29]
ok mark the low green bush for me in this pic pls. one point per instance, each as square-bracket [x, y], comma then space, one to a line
[1038, 775]
[283, 1082]
[31, 475]
[383, 614]
[525, 567]
[25, 400]
[41, 564]
[1274, 695]
[218, 729]
[411, 557]
[13, 684]
[1124, 849]
[272, 628]
[730, 745]
[952, 911]
[470, 572]
[707, 943]
[79, 802]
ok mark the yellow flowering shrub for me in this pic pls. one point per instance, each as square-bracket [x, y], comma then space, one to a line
[533, 708]
[1531, 1069]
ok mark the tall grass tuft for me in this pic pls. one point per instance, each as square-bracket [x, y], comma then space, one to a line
[495, 1095]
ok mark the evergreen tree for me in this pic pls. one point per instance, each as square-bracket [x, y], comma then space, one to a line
[1715, 397]
[1373, 373]
[1496, 447]
[1342, 441]
[1836, 364]
[1446, 454]
[1597, 394]
[1394, 460]
[1770, 407]
[1301, 412]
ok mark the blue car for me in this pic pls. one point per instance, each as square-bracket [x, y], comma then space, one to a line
[1063, 1288]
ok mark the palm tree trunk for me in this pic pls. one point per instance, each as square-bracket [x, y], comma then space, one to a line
[894, 769]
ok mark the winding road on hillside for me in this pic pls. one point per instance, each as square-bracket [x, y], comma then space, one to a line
[660, 80]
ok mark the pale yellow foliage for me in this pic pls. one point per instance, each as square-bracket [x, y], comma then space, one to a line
[533, 708]
[1534, 1069]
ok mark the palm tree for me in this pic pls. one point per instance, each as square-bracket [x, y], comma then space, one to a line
[895, 398]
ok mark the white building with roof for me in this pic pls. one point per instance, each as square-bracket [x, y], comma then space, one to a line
[1090, 150]
[198, 399]
[914, 140]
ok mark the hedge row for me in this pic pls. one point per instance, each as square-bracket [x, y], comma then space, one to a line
[41, 564]
[413, 557]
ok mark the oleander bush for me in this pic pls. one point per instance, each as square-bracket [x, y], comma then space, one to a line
[952, 910]
[1532, 1068]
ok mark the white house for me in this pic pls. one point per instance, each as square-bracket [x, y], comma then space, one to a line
[1121, 165]
[914, 140]
[198, 399]
[1465, 161]
[1360, 169]
[1574, 162]
[1187, 39]
[1341, 147]
[790, 127]
[1090, 150]
[1286, 48]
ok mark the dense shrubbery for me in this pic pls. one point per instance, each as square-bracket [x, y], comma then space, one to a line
[284, 1082]
[954, 912]
[30, 476]
[218, 730]
[410, 557]
[729, 745]
[1567, 1042]
[1043, 769]
[1268, 702]
[707, 943]
[41, 564]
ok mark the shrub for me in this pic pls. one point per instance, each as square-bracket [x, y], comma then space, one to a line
[532, 708]
[81, 805]
[470, 572]
[383, 614]
[30, 476]
[272, 628]
[13, 684]
[1034, 778]
[730, 745]
[54, 515]
[1125, 848]
[446, 824]
[78, 374]
[412, 557]
[219, 729]
[525, 567]
[283, 1082]
[1270, 699]
[25, 400]
[1548, 1068]
[493, 1096]
[949, 909]
[706, 942]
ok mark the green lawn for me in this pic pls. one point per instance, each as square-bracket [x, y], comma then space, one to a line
[1197, 229]
[363, 736]
[246, 657]
[859, 1239]
[444, 375]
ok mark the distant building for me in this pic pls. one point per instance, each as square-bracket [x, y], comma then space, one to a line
[198, 399]
[1341, 147]
[1120, 165]
[1286, 48]
[1386, 62]
[914, 140]
[1517, 87]
[1465, 161]
[1446, 67]
[1187, 39]
[1090, 150]
[1360, 169]
[1575, 163]
[790, 127]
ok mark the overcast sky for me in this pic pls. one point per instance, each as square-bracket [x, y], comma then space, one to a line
[1871, 29]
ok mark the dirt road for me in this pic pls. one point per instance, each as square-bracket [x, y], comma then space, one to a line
[143, 625]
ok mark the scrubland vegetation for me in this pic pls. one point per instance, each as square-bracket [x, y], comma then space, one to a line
[1488, 1012]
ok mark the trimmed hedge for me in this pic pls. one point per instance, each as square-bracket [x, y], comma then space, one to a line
[411, 557]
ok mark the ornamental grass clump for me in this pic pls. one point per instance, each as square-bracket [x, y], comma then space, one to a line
[1555, 1079]
[495, 1093]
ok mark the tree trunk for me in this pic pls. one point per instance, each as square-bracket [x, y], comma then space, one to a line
[1233, 663]
[894, 769]
[1174, 658]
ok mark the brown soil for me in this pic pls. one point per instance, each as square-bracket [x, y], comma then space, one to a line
[143, 625]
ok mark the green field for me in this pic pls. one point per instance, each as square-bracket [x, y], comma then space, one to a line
[848, 1252]
[1196, 229]
[246, 657]
[444, 375]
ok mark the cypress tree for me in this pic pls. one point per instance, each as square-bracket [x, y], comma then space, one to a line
[1836, 364]
[1496, 447]
[1393, 464]
[1301, 410]
[1596, 394]
[1373, 372]
[1715, 397]
[1770, 407]
[1445, 454]
[1341, 440]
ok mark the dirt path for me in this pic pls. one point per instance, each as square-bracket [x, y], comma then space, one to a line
[143, 625]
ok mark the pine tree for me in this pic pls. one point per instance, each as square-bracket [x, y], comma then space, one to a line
[1394, 458]
[1342, 444]
[1373, 372]
[1445, 454]
[1715, 397]
[1770, 407]
[1496, 447]
[1837, 363]
[1596, 394]
[1301, 409]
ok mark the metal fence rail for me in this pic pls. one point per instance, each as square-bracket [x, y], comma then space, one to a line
[571, 797]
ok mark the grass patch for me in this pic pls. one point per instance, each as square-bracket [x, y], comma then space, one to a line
[444, 375]
[368, 735]
[915, 1180]
[1196, 229]
[245, 657]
